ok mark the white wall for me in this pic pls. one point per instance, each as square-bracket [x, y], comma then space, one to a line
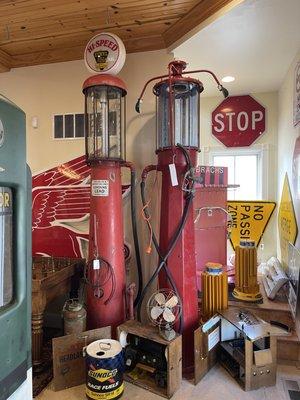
[287, 135]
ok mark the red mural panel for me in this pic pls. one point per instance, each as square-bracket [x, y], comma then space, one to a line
[60, 210]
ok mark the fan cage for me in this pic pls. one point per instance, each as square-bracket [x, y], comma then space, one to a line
[176, 310]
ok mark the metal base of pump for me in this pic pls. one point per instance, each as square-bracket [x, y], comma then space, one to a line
[250, 297]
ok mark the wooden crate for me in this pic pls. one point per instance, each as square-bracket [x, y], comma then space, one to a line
[257, 367]
[68, 361]
[173, 354]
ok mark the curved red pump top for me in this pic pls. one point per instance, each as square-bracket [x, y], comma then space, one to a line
[105, 79]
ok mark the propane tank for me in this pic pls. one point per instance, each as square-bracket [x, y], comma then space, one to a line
[74, 315]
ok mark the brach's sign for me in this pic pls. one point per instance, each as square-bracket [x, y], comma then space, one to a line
[238, 121]
[211, 176]
[105, 53]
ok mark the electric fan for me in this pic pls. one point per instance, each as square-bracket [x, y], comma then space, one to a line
[164, 309]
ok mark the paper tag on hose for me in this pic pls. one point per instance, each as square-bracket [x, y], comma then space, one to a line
[96, 264]
[173, 174]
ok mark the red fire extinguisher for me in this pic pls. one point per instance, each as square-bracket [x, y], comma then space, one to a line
[177, 113]
[105, 153]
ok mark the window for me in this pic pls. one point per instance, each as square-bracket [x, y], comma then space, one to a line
[244, 169]
[68, 126]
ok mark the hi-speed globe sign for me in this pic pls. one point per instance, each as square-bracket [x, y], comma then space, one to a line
[238, 121]
[105, 53]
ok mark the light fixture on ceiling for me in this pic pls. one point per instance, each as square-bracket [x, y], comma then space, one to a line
[228, 79]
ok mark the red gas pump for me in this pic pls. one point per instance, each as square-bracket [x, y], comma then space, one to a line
[105, 153]
[177, 111]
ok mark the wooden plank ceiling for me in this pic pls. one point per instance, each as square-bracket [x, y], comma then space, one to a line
[45, 31]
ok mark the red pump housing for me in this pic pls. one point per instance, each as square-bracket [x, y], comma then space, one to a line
[182, 260]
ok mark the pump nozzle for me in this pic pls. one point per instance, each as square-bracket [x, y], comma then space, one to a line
[138, 105]
[224, 91]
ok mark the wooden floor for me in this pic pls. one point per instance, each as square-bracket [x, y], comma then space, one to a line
[216, 385]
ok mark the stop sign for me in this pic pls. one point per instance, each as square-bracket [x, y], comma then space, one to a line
[238, 121]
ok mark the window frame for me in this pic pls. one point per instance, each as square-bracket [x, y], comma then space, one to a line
[74, 120]
[262, 153]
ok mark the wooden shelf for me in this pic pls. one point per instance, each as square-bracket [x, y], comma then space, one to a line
[238, 356]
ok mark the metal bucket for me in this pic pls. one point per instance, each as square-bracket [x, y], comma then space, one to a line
[104, 370]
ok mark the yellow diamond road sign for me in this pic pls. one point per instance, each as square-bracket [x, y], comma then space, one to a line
[287, 223]
[249, 220]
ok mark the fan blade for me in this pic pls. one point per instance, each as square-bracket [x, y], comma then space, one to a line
[156, 312]
[160, 298]
[172, 302]
[168, 316]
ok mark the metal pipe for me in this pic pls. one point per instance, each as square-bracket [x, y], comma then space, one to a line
[220, 86]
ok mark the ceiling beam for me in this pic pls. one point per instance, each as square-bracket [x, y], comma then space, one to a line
[205, 12]
[5, 61]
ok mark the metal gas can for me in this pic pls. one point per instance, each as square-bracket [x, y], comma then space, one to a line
[74, 315]
[104, 370]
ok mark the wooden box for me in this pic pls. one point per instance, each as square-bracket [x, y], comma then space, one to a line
[247, 350]
[68, 361]
[173, 357]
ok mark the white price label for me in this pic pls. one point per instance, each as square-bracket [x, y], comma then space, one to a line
[96, 264]
[100, 187]
[173, 175]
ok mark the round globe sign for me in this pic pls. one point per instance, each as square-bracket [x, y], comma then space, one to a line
[105, 53]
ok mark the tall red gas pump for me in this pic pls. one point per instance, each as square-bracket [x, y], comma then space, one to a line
[105, 153]
[105, 136]
[177, 113]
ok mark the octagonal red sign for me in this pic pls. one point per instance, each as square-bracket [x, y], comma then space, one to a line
[238, 121]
